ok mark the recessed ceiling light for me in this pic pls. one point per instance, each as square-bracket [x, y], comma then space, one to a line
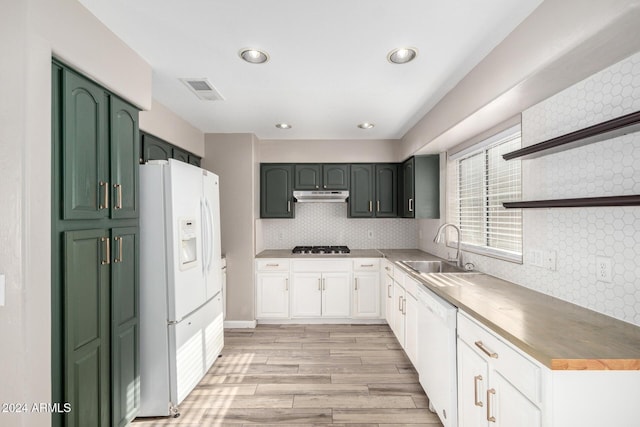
[253, 56]
[366, 125]
[402, 55]
[283, 126]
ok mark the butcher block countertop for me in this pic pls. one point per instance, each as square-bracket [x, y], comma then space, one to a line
[559, 334]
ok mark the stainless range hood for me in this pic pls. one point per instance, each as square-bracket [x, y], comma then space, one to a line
[320, 196]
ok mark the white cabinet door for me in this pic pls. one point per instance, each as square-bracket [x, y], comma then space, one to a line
[336, 293]
[507, 406]
[366, 295]
[306, 297]
[472, 387]
[389, 306]
[272, 299]
[411, 328]
[399, 304]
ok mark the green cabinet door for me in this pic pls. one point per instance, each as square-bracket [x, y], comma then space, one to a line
[181, 155]
[361, 191]
[86, 308]
[307, 177]
[407, 196]
[276, 183]
[125, 359]
[155, 149]
[124, 159]
[335, 176]
[427, 186]
[194, 160]
[85, 154]
[386, 190]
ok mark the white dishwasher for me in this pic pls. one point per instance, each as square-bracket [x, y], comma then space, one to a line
[437, 354]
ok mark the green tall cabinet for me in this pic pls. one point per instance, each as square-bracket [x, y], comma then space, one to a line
[95, 329]
[420, 187]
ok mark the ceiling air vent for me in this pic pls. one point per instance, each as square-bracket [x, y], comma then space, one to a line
[203, 89]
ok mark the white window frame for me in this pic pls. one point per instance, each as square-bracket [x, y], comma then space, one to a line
[453, 213]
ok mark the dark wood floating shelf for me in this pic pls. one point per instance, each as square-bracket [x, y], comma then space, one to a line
[633, 200]
[596, 133]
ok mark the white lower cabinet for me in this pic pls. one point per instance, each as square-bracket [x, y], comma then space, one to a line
[411, 321]
[366, 289]
[400, 305]
[320, 295]
[497, 386]
[272, 295]
[386, 276]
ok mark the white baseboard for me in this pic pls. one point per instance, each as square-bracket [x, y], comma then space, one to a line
[240, 324]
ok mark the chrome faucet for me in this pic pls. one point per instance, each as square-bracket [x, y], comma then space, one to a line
[439, 238]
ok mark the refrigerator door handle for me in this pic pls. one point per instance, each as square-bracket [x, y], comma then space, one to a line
[209, 234]
[204, 225]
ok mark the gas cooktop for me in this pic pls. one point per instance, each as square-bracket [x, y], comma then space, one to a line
[320, 250]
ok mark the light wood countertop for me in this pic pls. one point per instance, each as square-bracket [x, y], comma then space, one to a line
[559, 334]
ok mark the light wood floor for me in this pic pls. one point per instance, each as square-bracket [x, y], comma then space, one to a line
[307, 375]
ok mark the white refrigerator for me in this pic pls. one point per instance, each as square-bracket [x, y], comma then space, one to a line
[181, 319]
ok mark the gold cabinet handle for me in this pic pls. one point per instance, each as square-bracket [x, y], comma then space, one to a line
[118, 188]
[370, 206]
[485, 350]
[490, 417]
[119, 257]
[107, 259]
[105, 198]
[476, 380]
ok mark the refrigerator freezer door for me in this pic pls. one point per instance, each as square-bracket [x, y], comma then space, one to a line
[186, 287]
[211, 233]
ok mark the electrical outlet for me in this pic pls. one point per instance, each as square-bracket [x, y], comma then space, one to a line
[535, 257]
[550, 260]
[370, 234]
[603, 269]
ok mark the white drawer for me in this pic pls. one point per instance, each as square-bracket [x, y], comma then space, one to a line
[366, 264]
[321, 265]
[276, 264]
[514, 366]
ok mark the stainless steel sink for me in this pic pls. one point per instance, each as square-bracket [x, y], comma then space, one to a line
[432, 267]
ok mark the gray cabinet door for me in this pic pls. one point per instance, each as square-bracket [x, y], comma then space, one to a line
[361, 195]
[276, 191]
[155, 149]
[307, 177]
[427, 186]
[335, 176]
[386, 190]
[407, 197]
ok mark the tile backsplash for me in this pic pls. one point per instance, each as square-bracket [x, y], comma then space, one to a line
[579, 235]
[328, 224]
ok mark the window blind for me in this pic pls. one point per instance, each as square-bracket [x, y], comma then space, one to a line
[483, 181]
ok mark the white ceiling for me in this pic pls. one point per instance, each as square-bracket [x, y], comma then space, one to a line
[328, 69]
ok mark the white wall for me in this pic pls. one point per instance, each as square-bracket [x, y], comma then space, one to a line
[579, 235]
[164, 123]
[330, 151]
[233, 158]
[560, 43]
[29, 32]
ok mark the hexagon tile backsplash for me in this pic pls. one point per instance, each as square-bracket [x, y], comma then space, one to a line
[580, 235]
[327, 224]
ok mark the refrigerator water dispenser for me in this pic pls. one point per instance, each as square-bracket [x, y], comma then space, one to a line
[188, 243]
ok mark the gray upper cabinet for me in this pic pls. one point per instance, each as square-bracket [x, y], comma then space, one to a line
[361, 191]
[373, 191]
[386, 190]
[154, 148]
[335, 176]
[307, 177]
[314, 176]
[276, 190]
[420, 190]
